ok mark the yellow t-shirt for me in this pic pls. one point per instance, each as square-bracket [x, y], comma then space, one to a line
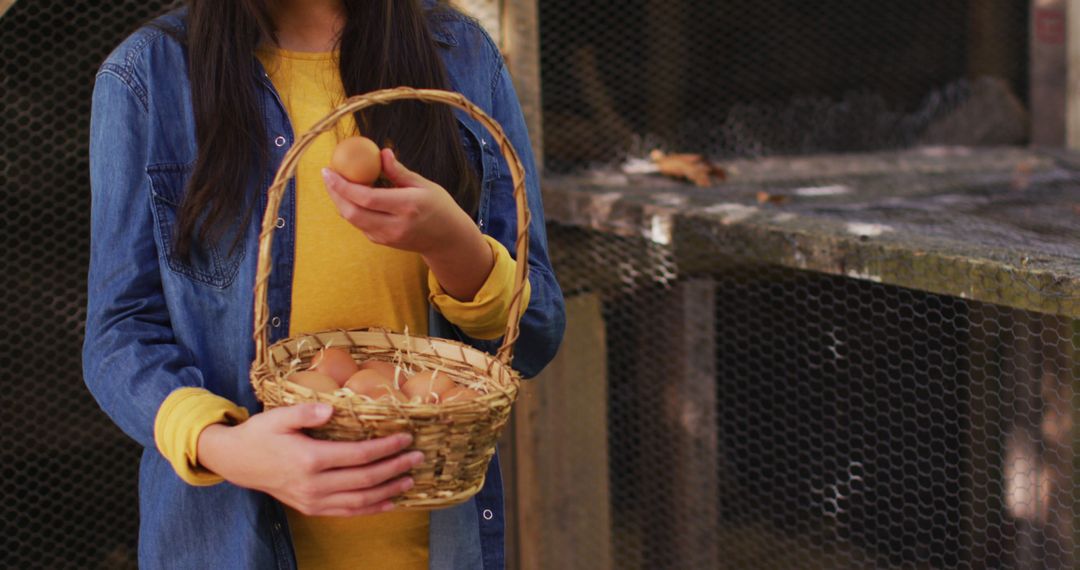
[340, 280]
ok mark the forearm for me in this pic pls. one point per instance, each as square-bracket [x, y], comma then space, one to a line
[462, 265]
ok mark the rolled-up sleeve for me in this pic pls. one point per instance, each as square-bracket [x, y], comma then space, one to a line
[486, 314]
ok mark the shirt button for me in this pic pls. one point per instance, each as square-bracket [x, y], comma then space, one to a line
[280, 223]
[276, 321]
[488, 515]
[280, 141]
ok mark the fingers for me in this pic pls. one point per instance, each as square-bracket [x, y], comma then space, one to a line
[371, 475]
[294, 418]
[336, 454]
[370, 222]
[369, 501]
[374, 199]
[399, 175]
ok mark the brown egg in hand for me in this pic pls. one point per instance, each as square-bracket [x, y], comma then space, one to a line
[315, 381]
[427, 386]
[357, 159]
[336, 363]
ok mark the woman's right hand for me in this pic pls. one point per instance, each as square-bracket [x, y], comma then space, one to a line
[270, 453]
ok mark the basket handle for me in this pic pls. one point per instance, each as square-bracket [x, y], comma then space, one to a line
[351, 105]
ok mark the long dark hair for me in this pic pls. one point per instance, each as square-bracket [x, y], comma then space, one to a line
[384, 43]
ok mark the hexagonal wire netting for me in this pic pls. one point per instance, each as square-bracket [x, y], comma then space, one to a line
[69, 474]
[860, 425]
[857, 424]
[772, 77]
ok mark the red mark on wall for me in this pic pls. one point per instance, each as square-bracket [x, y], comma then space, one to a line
[1050, 27]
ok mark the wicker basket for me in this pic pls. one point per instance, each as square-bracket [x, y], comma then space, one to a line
[457, 438]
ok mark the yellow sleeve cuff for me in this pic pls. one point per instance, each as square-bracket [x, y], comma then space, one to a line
[181, 419]
[485, 316]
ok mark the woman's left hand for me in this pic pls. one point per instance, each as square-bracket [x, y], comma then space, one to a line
[417, 215]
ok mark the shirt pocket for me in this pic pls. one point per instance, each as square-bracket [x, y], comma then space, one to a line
[212, 265]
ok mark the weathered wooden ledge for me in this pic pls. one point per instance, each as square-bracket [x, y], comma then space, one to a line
[1000, 226]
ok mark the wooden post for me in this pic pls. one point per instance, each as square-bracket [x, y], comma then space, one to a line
[561, 452]
[680, 478]
[508, 466]
[1071, 347]
[488, 12]
[1072, 111]
[515, 25]
[1048, 73]
[689, 412]
[520, 45]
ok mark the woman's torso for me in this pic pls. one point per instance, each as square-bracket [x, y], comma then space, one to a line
[210, 301]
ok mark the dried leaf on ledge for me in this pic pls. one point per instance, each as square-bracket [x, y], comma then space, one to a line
[692, 167]
[1021, 177]
[764, 197]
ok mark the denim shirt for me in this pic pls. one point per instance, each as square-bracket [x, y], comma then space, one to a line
[156, 323]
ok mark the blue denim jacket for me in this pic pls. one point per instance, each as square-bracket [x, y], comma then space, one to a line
[156, 323]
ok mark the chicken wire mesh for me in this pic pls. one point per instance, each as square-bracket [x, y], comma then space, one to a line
[742, 79]
[69, 492]
[851, 424]
[762, 416]
[860, 350]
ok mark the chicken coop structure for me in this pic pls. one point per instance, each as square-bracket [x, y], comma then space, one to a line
[856, 347]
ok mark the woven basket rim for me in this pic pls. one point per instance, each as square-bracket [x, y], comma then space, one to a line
[273, 371]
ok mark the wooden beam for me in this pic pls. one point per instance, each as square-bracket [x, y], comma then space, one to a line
[564, 515]
[520, 44]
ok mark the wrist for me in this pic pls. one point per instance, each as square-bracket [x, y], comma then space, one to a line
[463, 264]
[464, 239]
[213, 441]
